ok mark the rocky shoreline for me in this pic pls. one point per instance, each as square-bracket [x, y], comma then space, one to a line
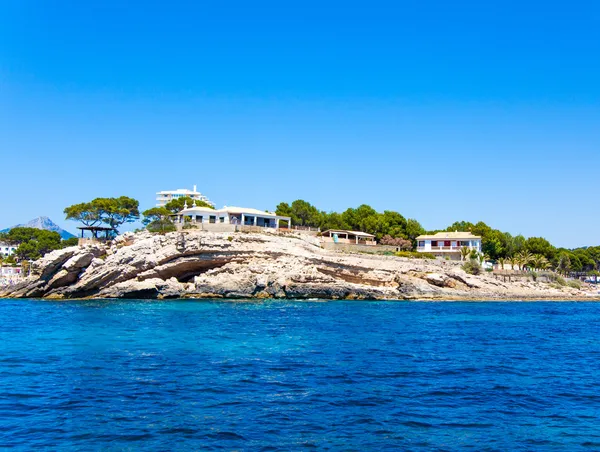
[201, 264]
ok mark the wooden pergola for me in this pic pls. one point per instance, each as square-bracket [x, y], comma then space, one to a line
[97, 229]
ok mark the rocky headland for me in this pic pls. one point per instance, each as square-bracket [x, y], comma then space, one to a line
[200, 264]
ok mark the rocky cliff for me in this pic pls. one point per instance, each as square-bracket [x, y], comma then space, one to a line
[251, 265]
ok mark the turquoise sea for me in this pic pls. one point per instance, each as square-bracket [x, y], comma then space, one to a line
[283, 375]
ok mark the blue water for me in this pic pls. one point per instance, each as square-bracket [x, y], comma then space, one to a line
[275, 375]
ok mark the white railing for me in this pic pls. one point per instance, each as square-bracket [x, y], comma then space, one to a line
[445, 248]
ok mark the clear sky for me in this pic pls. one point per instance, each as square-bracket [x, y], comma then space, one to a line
[463, 110]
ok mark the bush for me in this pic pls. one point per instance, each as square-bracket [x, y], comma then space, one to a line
[557, 279]
[401, 243]
[533, 275]
[575, 284]
[472, 267]
[230, 238]
[414, 255]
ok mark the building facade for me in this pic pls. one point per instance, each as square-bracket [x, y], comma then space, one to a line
[242, 216]
[163, 197]
[6, 249]
[448, 244]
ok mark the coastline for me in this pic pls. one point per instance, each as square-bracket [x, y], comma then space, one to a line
[257, 266]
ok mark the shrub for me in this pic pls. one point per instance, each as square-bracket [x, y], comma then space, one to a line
[472, 267]
[161, 226]
[230, 238]
[401, 243]
[533, 275]
[557, 279]
[575, 284]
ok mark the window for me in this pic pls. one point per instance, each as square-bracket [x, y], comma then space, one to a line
[447, 243]
[421, 244]
[434, 243]
[222, 219]
[212, 219]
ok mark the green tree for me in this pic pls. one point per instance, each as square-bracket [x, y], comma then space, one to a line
[113, 212]
[31, 243]
[176, 205]
[539, 262]
[85, 212]
[539, 245]
[116, 211]
[157, 219]
[332, 220]
[305, 214]
[413, 230]
[564, 264]
[524, 259]
[71, 241]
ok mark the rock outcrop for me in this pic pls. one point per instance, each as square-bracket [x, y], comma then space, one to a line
[201, 264]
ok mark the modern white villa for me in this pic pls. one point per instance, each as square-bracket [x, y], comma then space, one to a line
[448, 244]
[6, 249]
[163, 197]
[242, 216]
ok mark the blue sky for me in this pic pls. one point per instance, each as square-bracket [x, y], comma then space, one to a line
[443, 111]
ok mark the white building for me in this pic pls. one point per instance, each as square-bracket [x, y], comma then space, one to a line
[348, 237]
[448, 244]
[6, 249]
[243, 216]
[163, 197]
[6, 271]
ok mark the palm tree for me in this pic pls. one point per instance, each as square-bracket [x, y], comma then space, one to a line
[539, 262]
[482, 258]
[464, 252]
[514, 261]
[524, 258]
[501, 261]
[474, 254]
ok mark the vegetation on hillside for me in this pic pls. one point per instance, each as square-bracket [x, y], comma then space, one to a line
[33, 243]
[157, 219]
[501, 247]
[364, 218]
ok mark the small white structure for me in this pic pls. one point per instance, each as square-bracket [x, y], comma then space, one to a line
[163, 197]
[348, 237]
[242, 216]
[6, 249]
[448, 244]
[7, 271]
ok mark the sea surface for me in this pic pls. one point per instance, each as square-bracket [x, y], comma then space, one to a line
[283, 375]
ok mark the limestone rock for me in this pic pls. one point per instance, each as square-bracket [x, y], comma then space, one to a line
[253, 265]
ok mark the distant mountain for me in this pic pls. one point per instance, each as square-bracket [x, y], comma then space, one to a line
[43, 223]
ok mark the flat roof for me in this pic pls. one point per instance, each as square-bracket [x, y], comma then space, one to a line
[232, 210]
[249, 211]
[344, 231]
[179, 190]
[197, 209]
[456, 235]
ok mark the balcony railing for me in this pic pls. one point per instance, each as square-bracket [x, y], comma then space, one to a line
[444, 248]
